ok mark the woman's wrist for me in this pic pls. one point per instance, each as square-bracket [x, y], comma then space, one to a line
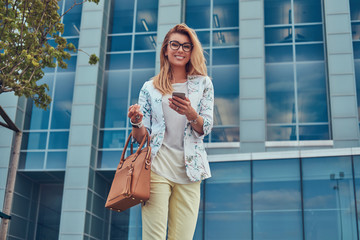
[136, 125]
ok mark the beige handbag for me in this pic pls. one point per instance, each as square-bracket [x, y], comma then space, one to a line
[131, 184]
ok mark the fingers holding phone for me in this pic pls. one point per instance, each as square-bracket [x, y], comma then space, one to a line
[179, 102]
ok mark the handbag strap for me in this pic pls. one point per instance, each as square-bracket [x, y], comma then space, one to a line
[146, 137]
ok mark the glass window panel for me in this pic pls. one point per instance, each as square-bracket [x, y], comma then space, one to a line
[109, 159]
[281, 133]
[313, 33]
[328, 193]
[226, 38]
[355, 10]
[278, 54]
[32, 160]
[138, 80]
[228, 134]
[204, 38]
[355, 27]
[357, 185]
[121, 16]
[71, 65]
[146, 17]
[49, 213]
[117, 61]
[72, 19]
[357, 78]
[207, 58]
[112, 139]
[226, 106]
[280, 95]
[228, 214]
[356, 47]
[306, 11]
[144, 60]
[115, 103]
[56, 160]
[120, 225]
[277, 199]
[277, 12]
[315, 132]
[225, 13]
[119, 43]
[37, 118]
[58, 140]
[225, 56]
[34, 140]
[60, 10]
[145, 42]
[74, 41]
[278, 35]
[62, 101]
[311, 87]
[198, 14]
[313, 52]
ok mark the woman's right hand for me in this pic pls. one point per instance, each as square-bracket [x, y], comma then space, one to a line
[135, 114]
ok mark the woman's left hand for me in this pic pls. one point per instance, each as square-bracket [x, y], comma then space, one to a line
[183, 107]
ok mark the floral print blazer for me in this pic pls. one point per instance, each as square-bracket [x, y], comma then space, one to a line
[201, 95]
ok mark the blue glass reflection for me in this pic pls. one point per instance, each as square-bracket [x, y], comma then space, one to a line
[226, 38]
[355, 29]
[225, 13]
[119, 43]
[71, 65]
[198, 14]
[74, 41]
[278, 35]
[146, 17]
[144, 60]
[138, 79]
[204, 38]
[225, 56]
[228, 214]
[280, 98]
[357, 78]
[58, 140]
[355, 10]
[277, 199]
[112, 139]
[278, 54]
[145, 42]
[356, 47]
[32, 160]
[62, 102]
[313, 33]
[277, 12]
[117, 61]
[311, 86]
[56, 160]
[328, 193]
[121, 16]
[281, 133]
[228, 134]
[314, 132]
[109, 159]
[115, 103]
[357, 187]
[34, 140]
[72, 19]
[310, 52]
[306, 11]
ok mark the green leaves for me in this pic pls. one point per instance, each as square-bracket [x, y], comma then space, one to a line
[26, 27]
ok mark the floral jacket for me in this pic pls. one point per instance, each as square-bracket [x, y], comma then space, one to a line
[201, 95]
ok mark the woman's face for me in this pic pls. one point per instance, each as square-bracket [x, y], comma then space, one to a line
[178, 57]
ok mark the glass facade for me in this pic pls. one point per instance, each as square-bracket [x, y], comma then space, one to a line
[304, 192]
[296, 74]
[217, 26]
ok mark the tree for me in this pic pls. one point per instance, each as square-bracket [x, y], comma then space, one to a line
[25, 28]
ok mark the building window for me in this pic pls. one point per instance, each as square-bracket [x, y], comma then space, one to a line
[46, 133]
[130, 61]
[355, 26]
[357, 188]
[295, 65]
[217, 25]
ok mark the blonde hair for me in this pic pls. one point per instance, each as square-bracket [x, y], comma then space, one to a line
[195, 66]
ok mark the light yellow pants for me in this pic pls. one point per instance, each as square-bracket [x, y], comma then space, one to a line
[170, 205]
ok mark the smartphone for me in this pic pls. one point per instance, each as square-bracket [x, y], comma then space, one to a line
[179, 94]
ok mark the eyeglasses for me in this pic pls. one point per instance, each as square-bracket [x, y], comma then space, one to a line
[175, 45]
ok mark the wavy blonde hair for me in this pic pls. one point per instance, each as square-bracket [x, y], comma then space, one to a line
[195, 66]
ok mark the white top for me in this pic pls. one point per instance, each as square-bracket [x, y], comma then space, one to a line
[169, 162]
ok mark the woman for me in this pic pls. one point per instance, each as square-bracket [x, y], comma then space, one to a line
[177, 127]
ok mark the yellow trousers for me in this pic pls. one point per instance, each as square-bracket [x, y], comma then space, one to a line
[172, 209]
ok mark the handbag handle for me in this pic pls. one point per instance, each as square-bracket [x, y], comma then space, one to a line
[146, 137]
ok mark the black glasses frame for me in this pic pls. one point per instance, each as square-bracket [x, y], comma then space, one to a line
[181, 45]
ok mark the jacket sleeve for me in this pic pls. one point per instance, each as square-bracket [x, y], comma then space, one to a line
[145, 106]
[207, 107]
